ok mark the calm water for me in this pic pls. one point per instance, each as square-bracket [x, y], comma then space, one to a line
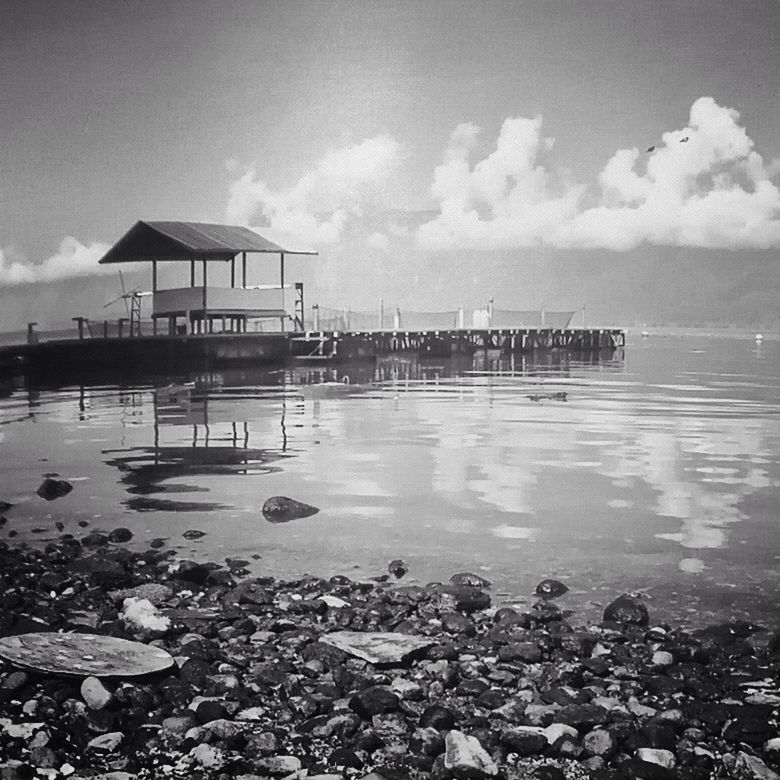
[659, 472]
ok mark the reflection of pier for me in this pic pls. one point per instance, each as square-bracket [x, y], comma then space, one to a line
[219, 445]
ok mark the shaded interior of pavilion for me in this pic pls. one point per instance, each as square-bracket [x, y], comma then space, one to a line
[202, 255]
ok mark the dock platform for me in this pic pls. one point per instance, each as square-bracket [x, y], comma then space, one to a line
[339, 345]
[171, 354]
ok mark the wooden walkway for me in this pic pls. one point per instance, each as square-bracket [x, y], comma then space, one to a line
[338, 345]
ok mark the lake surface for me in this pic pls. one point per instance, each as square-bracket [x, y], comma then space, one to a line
[659, 472]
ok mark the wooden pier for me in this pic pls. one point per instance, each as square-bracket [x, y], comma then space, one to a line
[337, 345]
[143, 355]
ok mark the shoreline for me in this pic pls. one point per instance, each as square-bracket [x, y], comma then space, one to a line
[255, 692]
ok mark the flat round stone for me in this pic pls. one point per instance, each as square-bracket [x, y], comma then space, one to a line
[83, 655]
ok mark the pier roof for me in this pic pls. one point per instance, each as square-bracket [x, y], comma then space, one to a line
[147, 241]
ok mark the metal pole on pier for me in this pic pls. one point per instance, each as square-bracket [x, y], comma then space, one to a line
[315, 315]
[490, 312]
[381, 313]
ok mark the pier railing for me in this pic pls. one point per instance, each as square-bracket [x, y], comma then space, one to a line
[321, 318]
[324, 318]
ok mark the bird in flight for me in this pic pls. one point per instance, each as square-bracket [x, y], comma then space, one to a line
[650, 149]
[684, 140]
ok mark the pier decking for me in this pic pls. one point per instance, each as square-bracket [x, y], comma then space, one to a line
[337, 345]
[144, 355]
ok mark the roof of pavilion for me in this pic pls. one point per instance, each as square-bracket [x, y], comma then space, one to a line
[147, 241]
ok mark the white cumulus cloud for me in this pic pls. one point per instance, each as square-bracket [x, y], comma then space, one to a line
[704, 186]
[317, 209]
[378, 241]
[72, 259]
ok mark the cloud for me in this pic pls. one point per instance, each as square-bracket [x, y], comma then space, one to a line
[704, 186]
[378, 241]
[72, 259]
[318, 208]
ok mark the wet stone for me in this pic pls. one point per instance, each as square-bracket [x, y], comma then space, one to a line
[120, 535]
[550, 589]
[469, 580]
[207, 711]
[627, 609]
[524, 740]
[438, 717]
[374, 700]
[51, 489]
[397, 568]
[281, 509]
[527, 652]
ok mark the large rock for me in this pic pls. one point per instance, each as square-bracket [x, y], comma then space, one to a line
[469, 580]
[551, 589]
[377, 647]
[465, 598]
[627, 609]
[374, 700]
[54, 488]
[280, 509]
[524, 740]
[747, 767]
[466, 758]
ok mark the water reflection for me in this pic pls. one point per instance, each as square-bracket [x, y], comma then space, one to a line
[651, 460]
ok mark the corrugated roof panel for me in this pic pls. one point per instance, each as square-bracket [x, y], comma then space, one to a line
[205, 237]
[147, 241]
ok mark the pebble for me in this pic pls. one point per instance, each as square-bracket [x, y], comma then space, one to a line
[95, 694]
[107, 742]
[280, 679]
[664, 758]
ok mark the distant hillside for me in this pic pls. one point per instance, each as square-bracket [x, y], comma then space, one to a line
[651, 285]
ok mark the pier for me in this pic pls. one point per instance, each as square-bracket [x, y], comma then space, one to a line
[337, 345]
[206, 324]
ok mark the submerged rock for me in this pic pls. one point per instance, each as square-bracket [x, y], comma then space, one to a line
[551, 589]
[627, 609]
[469, 580]
[120, 535]
[397, 568]
[54, 488]
[280, 509]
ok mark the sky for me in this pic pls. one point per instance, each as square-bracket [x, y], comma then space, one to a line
[436, 153]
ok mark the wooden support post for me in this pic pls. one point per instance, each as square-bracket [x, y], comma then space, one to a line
[315, 315]
[105, 329]
[154, 276]
[192, 273]
[32, 336]
[233, 272]
[205, 300]
[281, 285]
[243, 265]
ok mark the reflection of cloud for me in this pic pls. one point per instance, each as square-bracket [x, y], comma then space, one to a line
[476, 457]
[691, 565]
[514, 532]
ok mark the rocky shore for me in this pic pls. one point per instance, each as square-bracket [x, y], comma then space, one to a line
[332, 678]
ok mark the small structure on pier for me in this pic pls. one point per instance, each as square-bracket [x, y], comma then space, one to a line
[201, 305]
